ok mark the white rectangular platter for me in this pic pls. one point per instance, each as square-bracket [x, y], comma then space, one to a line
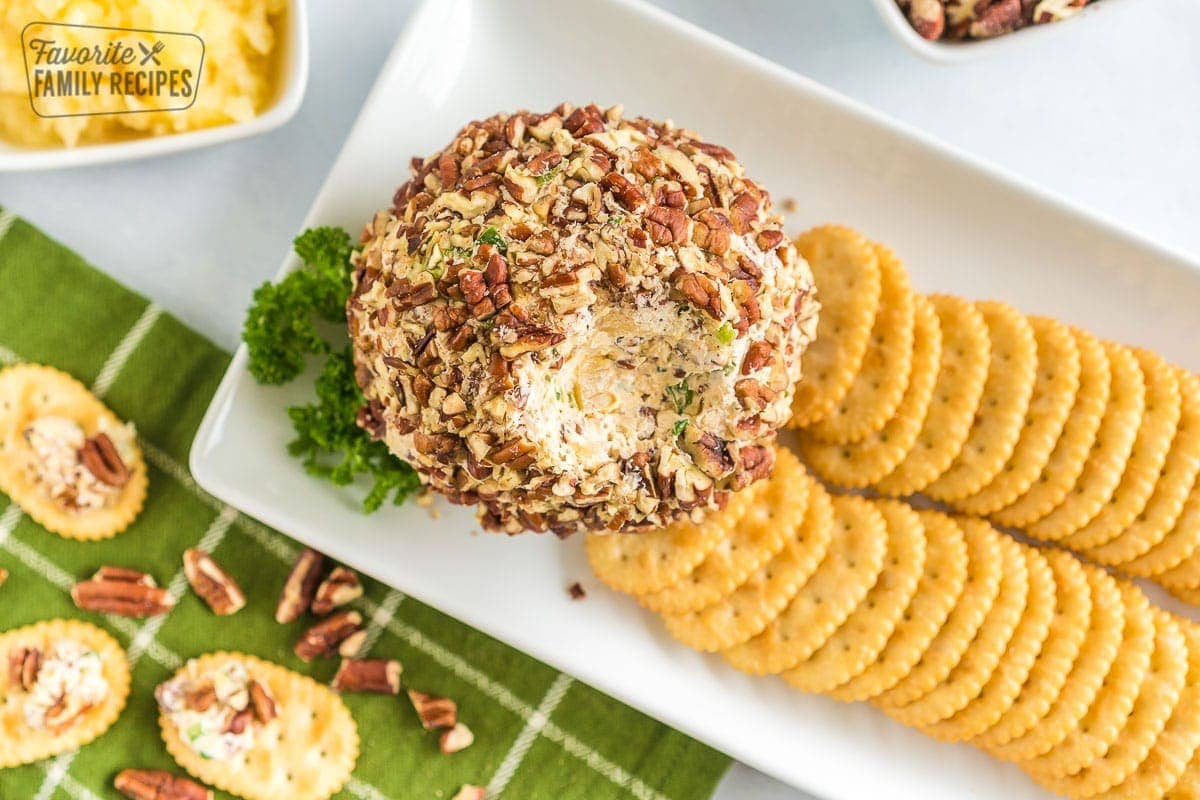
[961, 227]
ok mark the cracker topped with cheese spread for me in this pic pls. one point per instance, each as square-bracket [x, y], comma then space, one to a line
[65, 458]
[580, 320]
[257, 730]
[66, 682]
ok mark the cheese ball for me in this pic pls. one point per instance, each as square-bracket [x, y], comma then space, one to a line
[580, 321]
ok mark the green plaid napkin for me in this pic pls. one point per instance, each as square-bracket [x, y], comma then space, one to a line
[539, 734]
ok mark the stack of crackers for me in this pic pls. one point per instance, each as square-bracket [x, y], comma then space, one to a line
[948, 417]
[943, 622]
[1034, 425]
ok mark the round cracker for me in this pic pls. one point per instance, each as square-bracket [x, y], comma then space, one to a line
[1176, 746]
[29, 391]
[982, 658]
[641, 563]
[755, 604]
[20, 744]
[1071, 451]
[942, 583]
[1012, 372]
[1171, 490]
[1102, 723]
[985, 565]
[1167, 560]
[1072, 615]
[883, 377]
[858, 641]
[1107, 460]
[1100, 649]
[962, 373]
[1004, 684]
[1136, 734]
[1058, 368]
[863, 463]
[846, 273]
[770, 520]
[1157, 430]
[851, 566]
[309, 757]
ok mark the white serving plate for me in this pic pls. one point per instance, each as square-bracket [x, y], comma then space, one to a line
[293, 80]
[962, 227]
[947, 51]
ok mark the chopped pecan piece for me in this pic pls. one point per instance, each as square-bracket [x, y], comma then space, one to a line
[456, 738]
[324, 638]
[412, 295]
[352, 644]
[378, 675]
[240, 721]
[584, 120]
[701, 291]
[667, 225]
[757, 462]
[155, 784]
[370, 419]
[214, 585]
[754, 395]
[757, 356]
[626, 193]
[541, 243]
[201, 699]
[576, 591]
[472, 285]
[710, 454]
[23, 666]
[300, 586]
[769, 240]
[1001, 16]
[435, 712]
[742, 212]
[341, 587]
[516, 453]
[261, 703]
[121, 591]
[100, 457]
[719, 230]
[543, 162]
[441, 447]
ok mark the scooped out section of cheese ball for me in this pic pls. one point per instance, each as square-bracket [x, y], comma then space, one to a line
[580, 321]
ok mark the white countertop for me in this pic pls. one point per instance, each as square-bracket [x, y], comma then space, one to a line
[1108, 115]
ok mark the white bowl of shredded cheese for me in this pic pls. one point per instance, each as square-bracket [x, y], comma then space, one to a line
[238, 67]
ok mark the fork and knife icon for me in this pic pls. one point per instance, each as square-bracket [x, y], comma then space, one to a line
[151, 53]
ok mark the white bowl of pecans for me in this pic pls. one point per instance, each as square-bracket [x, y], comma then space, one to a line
[956, 30]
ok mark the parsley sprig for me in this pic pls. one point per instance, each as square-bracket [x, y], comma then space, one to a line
[281, 332]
